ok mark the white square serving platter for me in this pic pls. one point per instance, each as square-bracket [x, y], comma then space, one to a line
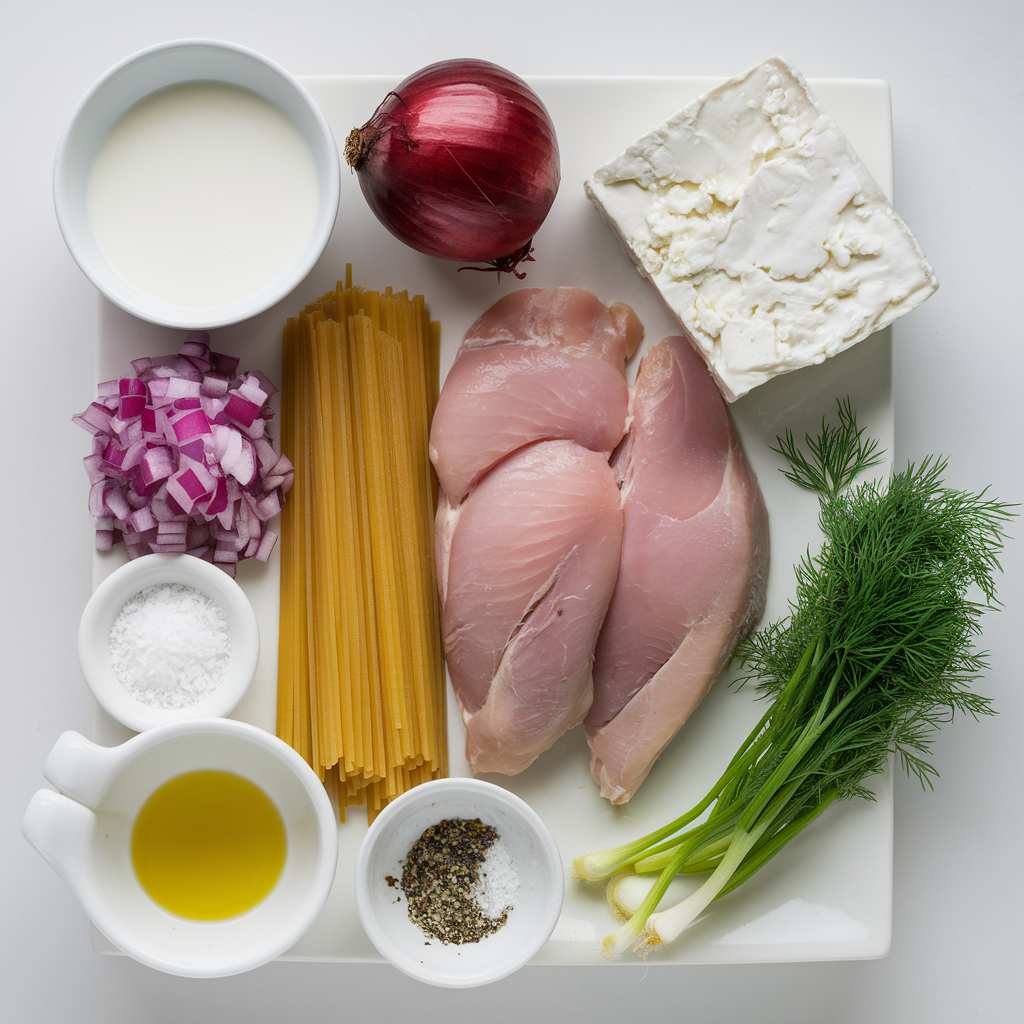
[828, 895]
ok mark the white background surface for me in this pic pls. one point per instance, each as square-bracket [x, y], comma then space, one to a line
[955, 72]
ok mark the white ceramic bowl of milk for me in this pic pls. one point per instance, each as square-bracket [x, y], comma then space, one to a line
[196, 184]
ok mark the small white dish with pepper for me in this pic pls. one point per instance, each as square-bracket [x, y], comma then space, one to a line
[459, 883]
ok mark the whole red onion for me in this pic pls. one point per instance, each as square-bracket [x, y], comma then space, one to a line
[460, 161]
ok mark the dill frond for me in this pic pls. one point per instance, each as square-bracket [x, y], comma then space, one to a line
[837, 456]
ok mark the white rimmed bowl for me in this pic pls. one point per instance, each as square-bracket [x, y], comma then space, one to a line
[123, 584]
[135, 78]
[535, 858]
[84, 832]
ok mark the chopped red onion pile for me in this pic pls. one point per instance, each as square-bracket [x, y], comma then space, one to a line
[181, 461]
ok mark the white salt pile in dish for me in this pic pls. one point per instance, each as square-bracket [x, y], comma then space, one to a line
[497, 887]
[170, 646]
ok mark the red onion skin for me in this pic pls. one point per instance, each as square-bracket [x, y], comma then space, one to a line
[462, 161]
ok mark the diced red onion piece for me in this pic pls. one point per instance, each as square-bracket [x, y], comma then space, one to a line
[282, 466]
[196, 346]
[184, 488]
[224, 364]
[131, 433]
[97, 506]
[117, 503]
[214, 409]
[190, 424]
[141, 520]
[92, 468]
[268, 507]
[219, 501]
[158, 391]
[159, 506]
[250, 389]
[160, 548]
[202, 472]
[267, 542]
[264, 382]
[256, 430]
[241, 410]
[95, 419]
[156, 464]
[241, 464]
[130, 406]
[173, 527]
[227, 517]
[215, 385]
[135, 499]
[284, 482]
[266, 454]
[179, 388]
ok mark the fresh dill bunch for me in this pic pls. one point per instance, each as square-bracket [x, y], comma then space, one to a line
[884, 606]
[875, 653]
[837, 456]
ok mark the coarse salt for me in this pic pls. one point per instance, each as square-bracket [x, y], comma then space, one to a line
[170, 646]
[497, 887]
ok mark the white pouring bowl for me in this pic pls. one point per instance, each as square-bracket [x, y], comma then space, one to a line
[132, 80]
[384, 912]
[123, 584]
[85, 831]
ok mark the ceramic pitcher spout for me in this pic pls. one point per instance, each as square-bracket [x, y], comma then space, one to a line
[62, 830]
[62, 826]
[82, 769]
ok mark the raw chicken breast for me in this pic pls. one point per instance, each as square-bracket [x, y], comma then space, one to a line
[540, 364]
[693, 569]
[526, 567]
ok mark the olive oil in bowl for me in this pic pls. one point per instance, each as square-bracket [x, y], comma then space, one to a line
[208, 845]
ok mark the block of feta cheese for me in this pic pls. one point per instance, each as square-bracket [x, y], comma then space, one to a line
[763, 231]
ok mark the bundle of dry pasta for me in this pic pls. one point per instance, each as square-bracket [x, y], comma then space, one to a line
[361, 679]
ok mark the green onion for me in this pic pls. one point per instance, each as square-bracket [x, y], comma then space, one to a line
[875, 653]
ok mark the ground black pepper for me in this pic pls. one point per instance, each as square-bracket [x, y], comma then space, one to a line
[438, 877]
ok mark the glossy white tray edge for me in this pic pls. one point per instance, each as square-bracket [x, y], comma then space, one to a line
[829, 895]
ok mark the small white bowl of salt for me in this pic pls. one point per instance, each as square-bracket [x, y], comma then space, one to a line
[167, 638]
[459, 883]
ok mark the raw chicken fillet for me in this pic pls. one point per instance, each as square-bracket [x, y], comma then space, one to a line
[539, 365]
[693, 567]
[529, 521]
[528, 563]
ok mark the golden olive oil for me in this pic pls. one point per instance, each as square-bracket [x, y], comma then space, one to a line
[208, 845]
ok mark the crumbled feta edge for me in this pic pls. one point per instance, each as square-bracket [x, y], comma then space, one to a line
[736, 384]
